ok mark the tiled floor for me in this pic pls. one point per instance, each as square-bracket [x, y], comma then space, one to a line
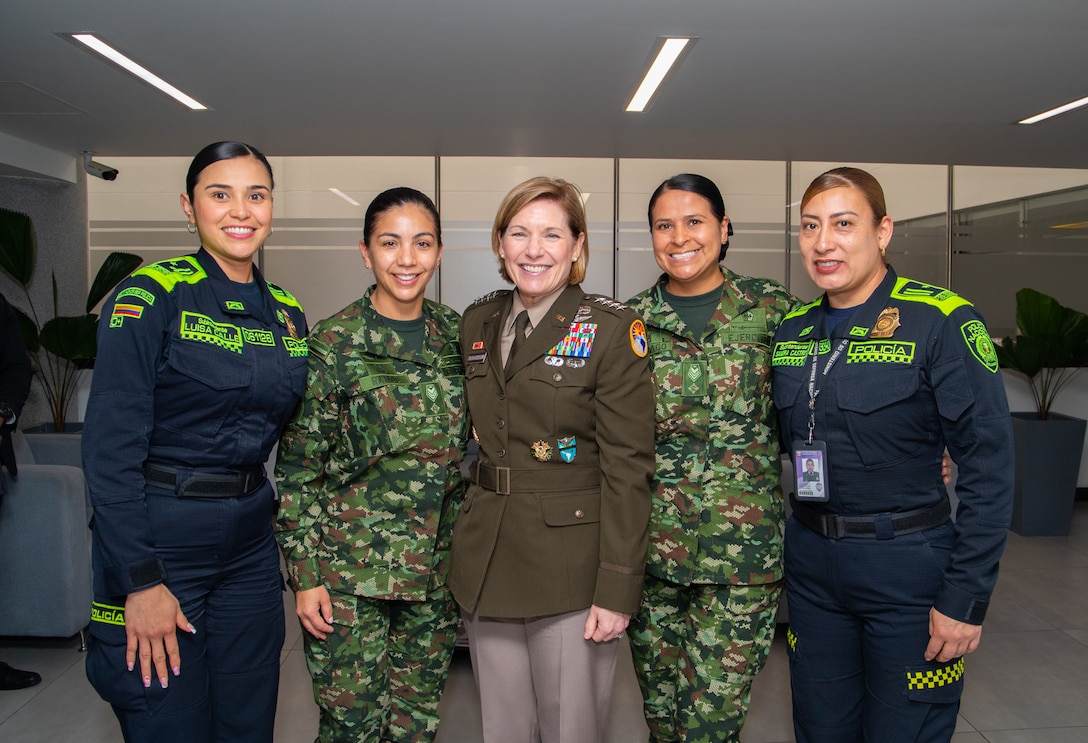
[1027, 683]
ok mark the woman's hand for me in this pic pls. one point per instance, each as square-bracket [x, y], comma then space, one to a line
[604, 624]
[950, 639]
[152, 618]
[314, 610]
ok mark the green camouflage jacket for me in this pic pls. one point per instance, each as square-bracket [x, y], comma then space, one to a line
[368, 471]
[717, 512]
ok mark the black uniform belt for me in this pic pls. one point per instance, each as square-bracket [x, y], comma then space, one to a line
[505, 480]
[873, 526]
[189, 482]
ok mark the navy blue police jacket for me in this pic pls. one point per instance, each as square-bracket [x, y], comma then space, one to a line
[918, 373]
[188, 374]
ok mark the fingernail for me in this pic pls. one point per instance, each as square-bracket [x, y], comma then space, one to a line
[176, 670]
[147, 682]
[192, 629]
[130, 666]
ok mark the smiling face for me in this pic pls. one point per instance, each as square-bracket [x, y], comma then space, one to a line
[538, 248]
[403, 252]
[232, 210]
[687, 242]
[841, 245]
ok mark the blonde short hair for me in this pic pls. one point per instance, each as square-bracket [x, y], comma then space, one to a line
[562, 192]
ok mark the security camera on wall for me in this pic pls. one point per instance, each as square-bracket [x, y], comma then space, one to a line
[97, 169]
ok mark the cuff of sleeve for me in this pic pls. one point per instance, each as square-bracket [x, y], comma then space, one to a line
[616, 591]
[303, 574]
[955, 604]
[122, 580]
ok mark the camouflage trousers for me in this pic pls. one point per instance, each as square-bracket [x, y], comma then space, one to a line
[696, 650]
[378, 677]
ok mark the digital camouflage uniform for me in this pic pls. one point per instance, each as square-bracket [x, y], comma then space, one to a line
[714, 570]
[370, 485]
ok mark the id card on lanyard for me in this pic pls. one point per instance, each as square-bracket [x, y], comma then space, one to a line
[810, 455]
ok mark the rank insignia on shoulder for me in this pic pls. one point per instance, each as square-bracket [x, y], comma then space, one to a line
[542, 451]
[886, 324]
[610, 303]
[568, 447]
[639, 344]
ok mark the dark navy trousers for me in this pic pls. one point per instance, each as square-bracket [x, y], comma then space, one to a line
[859, 626]
[222, 564]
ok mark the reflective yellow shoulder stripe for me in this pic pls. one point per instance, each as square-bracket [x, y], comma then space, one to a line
[170, 273]
[804, 308]
[283, 296]
[945, 300]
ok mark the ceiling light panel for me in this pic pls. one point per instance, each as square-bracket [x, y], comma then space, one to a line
[670, 52]
[92, 42]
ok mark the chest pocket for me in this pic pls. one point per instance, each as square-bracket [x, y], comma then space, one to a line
[888, 414]
[202, 385]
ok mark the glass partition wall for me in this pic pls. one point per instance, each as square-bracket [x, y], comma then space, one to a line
[1010, 227]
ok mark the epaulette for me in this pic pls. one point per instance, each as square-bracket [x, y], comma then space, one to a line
[945, 300]
[491, 296]
[804, 308]
[173, 271]
[600, 300]
[283, 296]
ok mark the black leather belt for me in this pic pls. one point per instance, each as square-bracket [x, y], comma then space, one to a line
[194, 483]
[873, 526]
[505, 480]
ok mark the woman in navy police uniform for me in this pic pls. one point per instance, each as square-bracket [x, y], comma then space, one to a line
[201, 363]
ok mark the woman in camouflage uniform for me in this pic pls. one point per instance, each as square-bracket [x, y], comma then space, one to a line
[370, 485]
[714, 570]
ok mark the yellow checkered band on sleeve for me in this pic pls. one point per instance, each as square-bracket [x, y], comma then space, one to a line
[936, 678]
[791, 639]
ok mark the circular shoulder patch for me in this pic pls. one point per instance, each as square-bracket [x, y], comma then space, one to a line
[638, 339]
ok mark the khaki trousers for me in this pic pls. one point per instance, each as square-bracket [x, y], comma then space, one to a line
[539, 681]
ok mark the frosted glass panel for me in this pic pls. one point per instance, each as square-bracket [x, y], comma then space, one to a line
[917, 201]
[755, 197]
[472, 188]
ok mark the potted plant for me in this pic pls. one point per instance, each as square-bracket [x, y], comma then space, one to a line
[64, 345]
[1052, 346]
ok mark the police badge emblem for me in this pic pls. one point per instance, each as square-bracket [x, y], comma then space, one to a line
[886, 324]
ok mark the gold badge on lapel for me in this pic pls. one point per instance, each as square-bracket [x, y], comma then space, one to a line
[542, 451]
[886, 324]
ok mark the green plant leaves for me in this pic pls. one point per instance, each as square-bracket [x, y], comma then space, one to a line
[1053, 338]
[18, 245]
[116, 267]
[70, 338]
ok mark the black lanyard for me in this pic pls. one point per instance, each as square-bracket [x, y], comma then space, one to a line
[814, 381]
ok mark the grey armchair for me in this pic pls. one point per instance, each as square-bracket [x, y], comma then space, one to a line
[45, 542]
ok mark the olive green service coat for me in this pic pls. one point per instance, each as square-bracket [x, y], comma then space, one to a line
[556, 518]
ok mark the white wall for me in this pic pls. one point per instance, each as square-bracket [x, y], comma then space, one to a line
[1073, 401]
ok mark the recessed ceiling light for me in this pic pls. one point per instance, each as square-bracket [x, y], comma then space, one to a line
[1054, 111]
[98, 46]
[667, 56]
[345, 197]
